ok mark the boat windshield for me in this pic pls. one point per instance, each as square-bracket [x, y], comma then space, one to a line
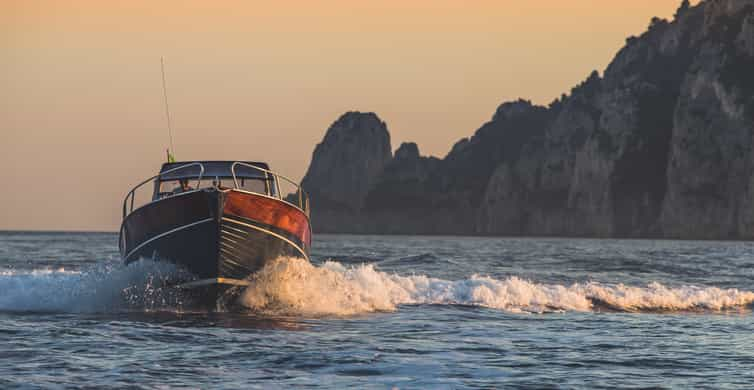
[174, 187]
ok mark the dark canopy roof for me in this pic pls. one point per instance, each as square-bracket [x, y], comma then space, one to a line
[212, 169]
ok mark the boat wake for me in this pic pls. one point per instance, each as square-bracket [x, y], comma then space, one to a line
[291, 286]
[294, 286]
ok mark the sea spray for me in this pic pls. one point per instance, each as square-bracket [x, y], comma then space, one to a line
[294, 286]
[106, 287]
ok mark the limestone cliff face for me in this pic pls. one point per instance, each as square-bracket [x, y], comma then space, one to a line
[345, 166]
[659, 146]
[431, 196]
[533, 192]
[711, 170]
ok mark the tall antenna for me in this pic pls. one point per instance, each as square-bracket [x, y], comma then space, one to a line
[167, 107]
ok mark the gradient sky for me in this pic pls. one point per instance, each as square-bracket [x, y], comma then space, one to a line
[82, 115]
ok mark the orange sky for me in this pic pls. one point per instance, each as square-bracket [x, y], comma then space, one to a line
[81, 113]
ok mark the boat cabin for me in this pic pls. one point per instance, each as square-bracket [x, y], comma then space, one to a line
[189, 176]
[178, 177]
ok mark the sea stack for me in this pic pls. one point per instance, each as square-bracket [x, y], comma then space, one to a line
[346, 164]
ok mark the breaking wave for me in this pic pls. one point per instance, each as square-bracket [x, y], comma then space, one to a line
[294, 286]
[103, 288]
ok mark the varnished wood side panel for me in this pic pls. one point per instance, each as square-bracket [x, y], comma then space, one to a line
[271, 212]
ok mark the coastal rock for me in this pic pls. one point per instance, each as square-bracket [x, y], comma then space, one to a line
[533, 193]
[659, 146]
[710, 182]
[406, 198]
[408, 151]
[632, 176]
[346, 164]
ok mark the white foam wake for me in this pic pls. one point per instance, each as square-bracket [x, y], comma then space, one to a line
[294, 286]
[103, 288]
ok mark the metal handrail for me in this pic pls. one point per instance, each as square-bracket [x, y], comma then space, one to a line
[303, 198]
[133, 190]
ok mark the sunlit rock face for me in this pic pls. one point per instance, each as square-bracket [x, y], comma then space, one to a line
[658, 146]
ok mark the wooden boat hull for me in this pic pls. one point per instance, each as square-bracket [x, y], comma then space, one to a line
[220, 236]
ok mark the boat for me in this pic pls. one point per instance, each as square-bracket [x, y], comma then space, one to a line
[219, 220]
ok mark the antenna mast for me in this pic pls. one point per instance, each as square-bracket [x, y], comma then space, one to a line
[167, 107]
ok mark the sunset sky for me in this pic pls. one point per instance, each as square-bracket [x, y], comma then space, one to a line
[82, 116]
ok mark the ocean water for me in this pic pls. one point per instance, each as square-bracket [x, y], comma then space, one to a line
[386, 312]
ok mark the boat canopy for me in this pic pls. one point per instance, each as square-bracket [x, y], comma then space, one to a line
[223, 169]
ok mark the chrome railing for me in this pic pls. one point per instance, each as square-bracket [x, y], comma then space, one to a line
[299, 197]
[130, 196]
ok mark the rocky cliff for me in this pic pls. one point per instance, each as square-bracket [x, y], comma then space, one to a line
[345, 166]
[659, 146]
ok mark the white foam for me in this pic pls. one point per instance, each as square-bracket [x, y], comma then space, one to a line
[41, 271]
[657, 297]
[294, 286]
[105, 287]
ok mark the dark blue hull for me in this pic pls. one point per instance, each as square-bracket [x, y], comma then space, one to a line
[220, 251]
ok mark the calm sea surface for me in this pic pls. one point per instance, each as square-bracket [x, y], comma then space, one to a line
[384, 312]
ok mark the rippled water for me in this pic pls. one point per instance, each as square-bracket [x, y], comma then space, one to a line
[383, 312]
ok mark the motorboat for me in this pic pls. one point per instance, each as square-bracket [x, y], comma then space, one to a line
[219, 220]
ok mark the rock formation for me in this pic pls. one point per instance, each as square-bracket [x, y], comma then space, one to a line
[660, 146]
[345, 166]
